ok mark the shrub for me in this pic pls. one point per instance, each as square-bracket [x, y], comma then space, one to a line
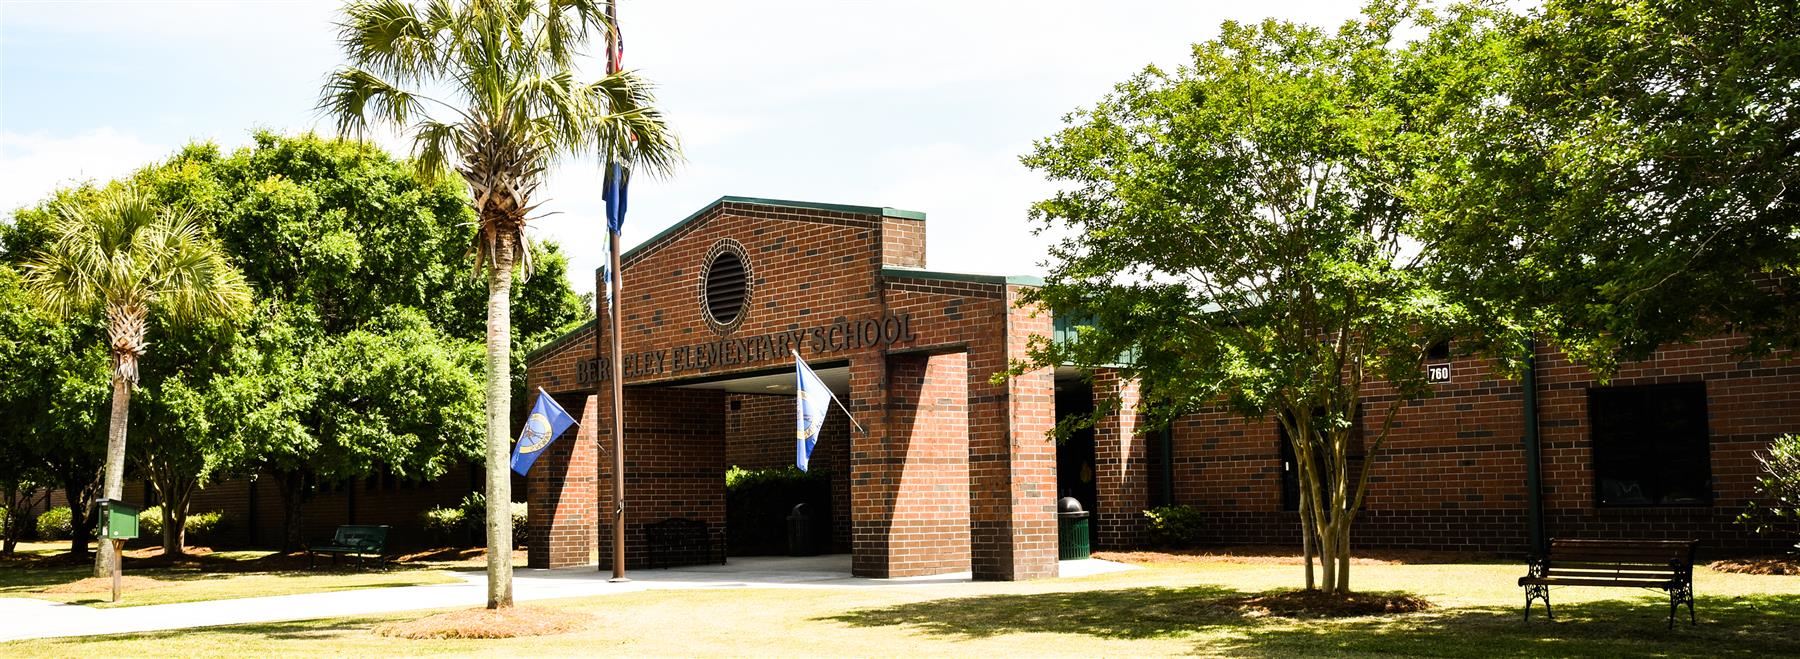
[55, 524]
[1776, 510]
[1175, 526]
[201, 527]
[757, 503]
[465, 523]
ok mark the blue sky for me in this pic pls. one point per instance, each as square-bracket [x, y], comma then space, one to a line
[921, 105]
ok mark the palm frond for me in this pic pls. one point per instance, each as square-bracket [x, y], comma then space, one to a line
[353, 97]
[393, 38]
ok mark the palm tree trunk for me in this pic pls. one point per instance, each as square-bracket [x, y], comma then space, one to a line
[114, 486]
[499, 416]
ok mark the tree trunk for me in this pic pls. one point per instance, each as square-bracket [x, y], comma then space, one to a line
[499, 416]
[15, 509]
[114, 487]
[81, 524]
[1308, 545]
[292, 496]
[174, 531]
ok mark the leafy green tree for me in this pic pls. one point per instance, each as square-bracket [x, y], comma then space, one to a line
[177, 447]
[124, 256]
[1632, 177]
[512, 107]
[397, 395]
[1235, 233]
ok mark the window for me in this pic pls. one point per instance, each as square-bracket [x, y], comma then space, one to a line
[1650, 445]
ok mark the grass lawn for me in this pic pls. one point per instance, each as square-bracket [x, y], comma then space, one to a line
[215, 575]
[1166, 608]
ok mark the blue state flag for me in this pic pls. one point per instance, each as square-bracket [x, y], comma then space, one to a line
[613, 189]
[812, 400]
[546, 423]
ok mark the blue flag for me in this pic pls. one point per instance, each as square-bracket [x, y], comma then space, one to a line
[546, 423]
[618, 178]
[812, 400]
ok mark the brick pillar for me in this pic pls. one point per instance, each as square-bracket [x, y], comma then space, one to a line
[561, 494]
[1012, 460]
[1121, 460]
[871, 473]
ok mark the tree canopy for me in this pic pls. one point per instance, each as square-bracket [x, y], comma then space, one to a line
[1235, 232]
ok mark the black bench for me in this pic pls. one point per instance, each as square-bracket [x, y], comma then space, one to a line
[356, 540]
[680, 541]
[1666, 565]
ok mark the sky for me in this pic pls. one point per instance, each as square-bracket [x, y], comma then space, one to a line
[922, 105]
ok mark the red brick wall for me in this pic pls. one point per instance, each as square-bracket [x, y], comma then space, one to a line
[564, 507]
[674, 464]
[1452, 474]
[815, 268]
[914, 485]
[1121, 461]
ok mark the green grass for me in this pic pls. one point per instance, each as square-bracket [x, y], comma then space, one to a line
[222, 575]
[1160, 610]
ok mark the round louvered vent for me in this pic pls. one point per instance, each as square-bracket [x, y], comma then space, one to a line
[725, 286]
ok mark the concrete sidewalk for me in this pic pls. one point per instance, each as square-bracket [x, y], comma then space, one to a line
[25, 618]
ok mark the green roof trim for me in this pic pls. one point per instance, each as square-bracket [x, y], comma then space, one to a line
[881, 211]
[1008, 280]
[557, 343]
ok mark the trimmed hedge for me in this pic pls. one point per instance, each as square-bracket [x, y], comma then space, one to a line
[464, 524]
[1176, 526]
[201, 527]
[757, 503]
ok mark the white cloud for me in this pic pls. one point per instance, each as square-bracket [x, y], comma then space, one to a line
[33, 165]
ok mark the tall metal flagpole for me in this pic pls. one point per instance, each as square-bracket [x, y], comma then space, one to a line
[612, 330]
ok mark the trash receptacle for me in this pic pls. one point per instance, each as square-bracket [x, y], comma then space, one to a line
[1071, 530]
[800, 533]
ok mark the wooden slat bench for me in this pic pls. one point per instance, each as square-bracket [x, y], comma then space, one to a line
[353, 539]
[680, 541]
[1666, 565]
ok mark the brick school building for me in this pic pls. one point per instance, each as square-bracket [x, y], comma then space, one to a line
[954, 472]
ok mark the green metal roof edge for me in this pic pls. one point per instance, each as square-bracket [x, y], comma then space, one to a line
[1011, 280]
[558, 342]
[728, 199]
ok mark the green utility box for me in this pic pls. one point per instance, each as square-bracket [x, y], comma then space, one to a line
[1071, 531]
[118, 521]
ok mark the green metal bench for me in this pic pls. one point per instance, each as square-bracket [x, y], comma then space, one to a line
[357, 540]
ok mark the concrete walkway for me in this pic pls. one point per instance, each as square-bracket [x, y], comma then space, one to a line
[25, 618]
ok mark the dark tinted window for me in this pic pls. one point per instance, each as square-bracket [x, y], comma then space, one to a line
[1650, 445]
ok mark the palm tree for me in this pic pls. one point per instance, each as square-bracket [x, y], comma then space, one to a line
[127, 256]
[510, 107]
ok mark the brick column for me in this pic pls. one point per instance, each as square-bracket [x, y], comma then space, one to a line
[1012, 460]
[561, 494]
[674, 465]
[1121, 462]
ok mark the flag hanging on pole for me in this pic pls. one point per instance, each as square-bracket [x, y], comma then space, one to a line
[618, 179]
[812, 401]
[546, 423]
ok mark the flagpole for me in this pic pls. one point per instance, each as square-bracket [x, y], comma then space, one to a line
[617, 366]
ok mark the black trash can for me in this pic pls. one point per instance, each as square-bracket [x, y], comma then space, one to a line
[1071, 530]
[800, 533]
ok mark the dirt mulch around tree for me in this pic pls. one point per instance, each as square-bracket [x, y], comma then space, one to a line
[1773, 566]
[1317, 604]
[489, 623]
[1266, 555]
[104, 585]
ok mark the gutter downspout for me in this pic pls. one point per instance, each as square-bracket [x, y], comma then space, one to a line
[1534, 484]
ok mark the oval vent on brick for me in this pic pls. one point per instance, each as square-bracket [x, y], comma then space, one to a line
[725, 286]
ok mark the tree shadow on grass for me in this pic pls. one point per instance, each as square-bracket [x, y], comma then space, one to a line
[1632, 625]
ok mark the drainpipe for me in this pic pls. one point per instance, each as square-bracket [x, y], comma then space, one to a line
[1534, 484]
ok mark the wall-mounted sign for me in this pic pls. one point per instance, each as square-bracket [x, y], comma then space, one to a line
[879, 332]
[1437, 373]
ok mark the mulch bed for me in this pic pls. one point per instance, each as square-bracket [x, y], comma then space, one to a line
[1773, 566]
[1317, 604]
[104, 585]
[1266, 555]
[489, 623]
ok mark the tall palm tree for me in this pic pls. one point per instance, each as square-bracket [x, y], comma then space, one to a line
[129, 257]
[504, 104]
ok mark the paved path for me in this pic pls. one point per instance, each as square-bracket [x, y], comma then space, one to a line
[23, 618]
